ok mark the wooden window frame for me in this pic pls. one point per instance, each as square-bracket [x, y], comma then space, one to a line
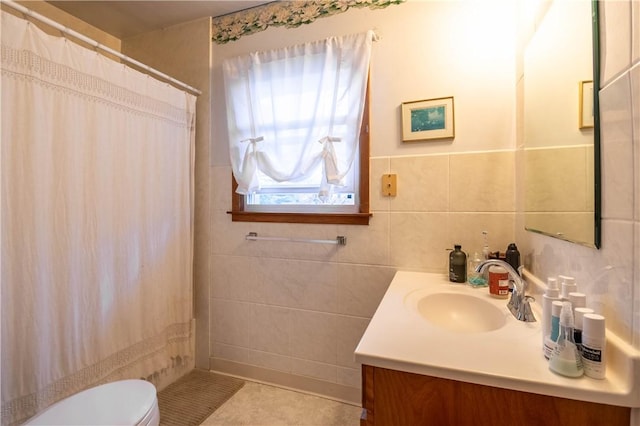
[238, 213]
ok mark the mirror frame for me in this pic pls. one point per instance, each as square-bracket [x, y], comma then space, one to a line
[597, 200]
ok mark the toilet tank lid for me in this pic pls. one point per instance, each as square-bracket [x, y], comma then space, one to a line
[124, 402]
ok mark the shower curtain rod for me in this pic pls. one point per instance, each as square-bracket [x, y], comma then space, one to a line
[97, 45]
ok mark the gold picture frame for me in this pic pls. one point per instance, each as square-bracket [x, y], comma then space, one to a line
[586, 105]
[428, 119]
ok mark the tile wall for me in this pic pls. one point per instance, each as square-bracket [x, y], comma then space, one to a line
[293, 312]
[183, 51]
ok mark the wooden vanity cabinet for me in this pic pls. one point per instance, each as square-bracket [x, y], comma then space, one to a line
[391, 397]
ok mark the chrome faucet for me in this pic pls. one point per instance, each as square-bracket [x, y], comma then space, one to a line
[519, 303]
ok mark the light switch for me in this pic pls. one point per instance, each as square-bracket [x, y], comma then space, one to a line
[389, 185]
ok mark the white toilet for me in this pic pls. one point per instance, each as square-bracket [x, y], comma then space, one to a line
[125, 402]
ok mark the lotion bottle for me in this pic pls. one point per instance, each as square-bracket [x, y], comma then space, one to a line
[594, 345]
[565, 359]
[550, 342]
[578, 315]
[568, 286]
[551, 294]
[578, 300]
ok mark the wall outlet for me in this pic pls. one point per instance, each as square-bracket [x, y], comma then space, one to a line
[389, 185]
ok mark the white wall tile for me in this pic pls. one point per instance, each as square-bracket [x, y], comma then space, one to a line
[636, 288]
[299, 284]
[617, 149]
[361, 288]
[270, 329]
[612, 293]
[635, 31]
[423, 183]
[234, 278]
[635, 105]
[419, 240]
[229, 322]
[270, 360]
[221, 188]
[231, 353]
[317, 370]
[615, 39]
[314, 336]
[229, 237]
[366, 244]
[349, 333]
[349, 377]
[482, 182]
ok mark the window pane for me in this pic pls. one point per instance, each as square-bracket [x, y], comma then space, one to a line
[300, 198]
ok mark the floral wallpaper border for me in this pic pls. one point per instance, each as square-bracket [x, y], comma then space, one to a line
[289, 14]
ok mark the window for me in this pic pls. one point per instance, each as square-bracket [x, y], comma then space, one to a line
[298, 129]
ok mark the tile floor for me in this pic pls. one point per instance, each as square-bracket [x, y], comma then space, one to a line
[262, 405]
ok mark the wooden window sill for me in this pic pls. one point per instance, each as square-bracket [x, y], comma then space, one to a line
[326, 218]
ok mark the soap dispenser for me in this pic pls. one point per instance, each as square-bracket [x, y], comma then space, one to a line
[479, 279]
[476, 279]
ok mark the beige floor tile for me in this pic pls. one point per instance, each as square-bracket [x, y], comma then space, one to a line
[263, 405]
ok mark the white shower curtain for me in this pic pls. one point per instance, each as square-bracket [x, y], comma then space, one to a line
[97, 200]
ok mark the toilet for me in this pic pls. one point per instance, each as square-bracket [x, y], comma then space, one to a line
[125, 402]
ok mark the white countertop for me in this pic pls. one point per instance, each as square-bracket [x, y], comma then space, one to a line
[510, 357]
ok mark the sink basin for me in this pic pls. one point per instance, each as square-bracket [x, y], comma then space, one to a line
[461, 313]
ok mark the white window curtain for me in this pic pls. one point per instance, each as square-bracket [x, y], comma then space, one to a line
[295, 109]
[97, 189]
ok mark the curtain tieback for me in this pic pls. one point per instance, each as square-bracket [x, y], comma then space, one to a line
[329, 139]
[247, 176]
[253, 140]
[332, 174]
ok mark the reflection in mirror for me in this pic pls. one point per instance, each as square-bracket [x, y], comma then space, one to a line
[559, 133]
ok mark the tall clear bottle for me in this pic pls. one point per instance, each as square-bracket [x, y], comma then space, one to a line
[565, 358]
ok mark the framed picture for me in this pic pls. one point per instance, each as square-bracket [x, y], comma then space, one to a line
[586, 104]
[427, 119]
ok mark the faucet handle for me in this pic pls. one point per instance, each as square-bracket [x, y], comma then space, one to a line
[524, 312]
[515, 301]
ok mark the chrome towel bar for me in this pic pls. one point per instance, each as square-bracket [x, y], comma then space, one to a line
[340, 239]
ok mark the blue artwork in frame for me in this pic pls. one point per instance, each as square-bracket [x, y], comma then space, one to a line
[428, 119]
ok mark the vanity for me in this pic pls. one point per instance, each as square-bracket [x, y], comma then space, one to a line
[448, 354]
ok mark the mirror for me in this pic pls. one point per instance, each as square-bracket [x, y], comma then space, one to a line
[561, 124]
